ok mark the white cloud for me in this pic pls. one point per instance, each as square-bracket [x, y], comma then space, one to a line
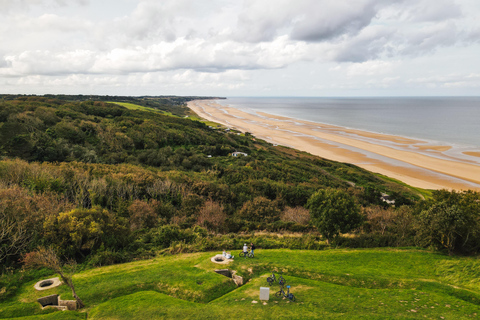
[149, 41]
[370, 68]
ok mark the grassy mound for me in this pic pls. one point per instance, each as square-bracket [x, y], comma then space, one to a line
[330, 284]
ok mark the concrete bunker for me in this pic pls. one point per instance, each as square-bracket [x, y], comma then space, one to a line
[220, 259]
[231, 274]
[54, 301]
[47, 284]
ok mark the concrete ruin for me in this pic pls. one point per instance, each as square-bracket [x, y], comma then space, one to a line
[54, 301]
[47, 284]
[220, 259]
[238, 280]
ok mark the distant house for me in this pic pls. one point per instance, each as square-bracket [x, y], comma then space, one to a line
[236, 154]
[386, 198]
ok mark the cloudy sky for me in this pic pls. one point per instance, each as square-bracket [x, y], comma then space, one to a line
[241, 47]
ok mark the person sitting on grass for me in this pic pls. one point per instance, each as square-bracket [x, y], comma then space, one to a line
[227, 255]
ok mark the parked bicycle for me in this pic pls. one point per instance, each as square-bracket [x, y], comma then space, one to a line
[287, 294]
[272, 279]
[249, 254]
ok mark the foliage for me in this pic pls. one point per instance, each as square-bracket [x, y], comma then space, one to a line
[333, 212]
[298, 215]
[259, 209]
[450, 221]
[212, 216]
[82, 231]
[95, 180]
[142, 215]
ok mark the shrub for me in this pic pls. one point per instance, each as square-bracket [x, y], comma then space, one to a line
[333, 212]
[142, 215]
[259, 209]
[298, 215]
[107, 257]
[212, 216]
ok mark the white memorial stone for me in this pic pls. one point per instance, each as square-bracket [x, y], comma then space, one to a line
[264, 293]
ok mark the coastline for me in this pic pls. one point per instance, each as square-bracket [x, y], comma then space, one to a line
[405, 159]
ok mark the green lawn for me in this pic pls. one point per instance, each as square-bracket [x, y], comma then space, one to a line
[136, 107]
[330, 284]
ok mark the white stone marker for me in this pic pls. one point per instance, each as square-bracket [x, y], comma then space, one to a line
[264, 293]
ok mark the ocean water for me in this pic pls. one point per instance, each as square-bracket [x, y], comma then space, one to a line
[452, 121]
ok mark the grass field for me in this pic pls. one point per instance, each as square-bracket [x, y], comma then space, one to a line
[192, 116]
[329, 284]
[137, 107]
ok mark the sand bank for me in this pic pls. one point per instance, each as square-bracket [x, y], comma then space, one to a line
[411, 161]
[473, 154]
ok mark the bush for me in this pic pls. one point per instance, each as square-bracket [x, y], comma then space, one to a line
[259, 209]
[450, 221]
[108, 257]
[333, 212]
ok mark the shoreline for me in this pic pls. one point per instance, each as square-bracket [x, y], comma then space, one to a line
[409, 160]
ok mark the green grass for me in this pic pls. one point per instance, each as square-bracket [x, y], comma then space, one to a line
[195, 117]
[191, 116]
[132, 106]
[328, 284]
[424, 193]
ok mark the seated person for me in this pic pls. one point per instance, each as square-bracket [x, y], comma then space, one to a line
[227, 255]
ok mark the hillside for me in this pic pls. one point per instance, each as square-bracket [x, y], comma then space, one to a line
[134, 173]
[330, 284]
[105, 183]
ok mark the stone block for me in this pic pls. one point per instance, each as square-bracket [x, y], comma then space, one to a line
[264, 293]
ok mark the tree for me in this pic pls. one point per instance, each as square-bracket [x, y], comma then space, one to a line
[448, 227]
[81, 231]
[47, 258]
[381, 219]
[212, 216]
[142, 215]
[450, 220]
[333, 212]
[21, 220]
[260, 209]
[298, 215]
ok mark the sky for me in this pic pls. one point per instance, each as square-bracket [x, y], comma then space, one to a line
[241, 47]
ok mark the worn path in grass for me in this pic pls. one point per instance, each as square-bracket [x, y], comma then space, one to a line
[330, 284]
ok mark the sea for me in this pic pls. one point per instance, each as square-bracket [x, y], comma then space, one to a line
[453, 121]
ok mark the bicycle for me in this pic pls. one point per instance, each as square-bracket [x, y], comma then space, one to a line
[249, 254]
[272, 279]
[287, 294]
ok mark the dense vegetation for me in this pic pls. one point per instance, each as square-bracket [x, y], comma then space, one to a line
[101, 183]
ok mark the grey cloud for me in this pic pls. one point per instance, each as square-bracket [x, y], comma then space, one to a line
[381, 42]
[3, 62]
[368, 45]
[322, 22]
[305, 20]
[429, 10]
[430, 38]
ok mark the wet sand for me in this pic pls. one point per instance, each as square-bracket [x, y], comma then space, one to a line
[411, 161]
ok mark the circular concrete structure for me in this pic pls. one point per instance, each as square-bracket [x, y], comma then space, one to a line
[220, 259]
[47, 284]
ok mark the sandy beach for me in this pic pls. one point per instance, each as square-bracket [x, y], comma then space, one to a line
[411, 161]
